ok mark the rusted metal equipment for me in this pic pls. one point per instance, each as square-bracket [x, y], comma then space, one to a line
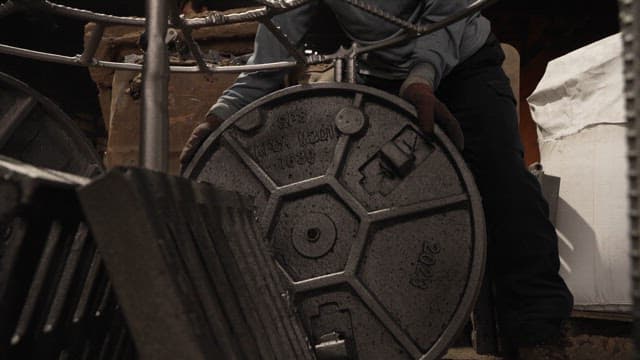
[154, 138]
[378, 230]
[56, 301]
[190, 96]
[35, 130]
[264, 13]
[192, 275]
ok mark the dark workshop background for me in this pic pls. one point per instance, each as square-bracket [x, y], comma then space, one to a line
[541, 30]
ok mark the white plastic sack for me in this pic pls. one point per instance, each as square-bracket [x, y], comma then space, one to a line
[579, 109]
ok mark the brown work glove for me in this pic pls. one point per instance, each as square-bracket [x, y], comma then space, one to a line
[197, 137]
[430, 110]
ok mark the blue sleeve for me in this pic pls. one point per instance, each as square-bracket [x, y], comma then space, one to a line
[436, 54]
[251, 86]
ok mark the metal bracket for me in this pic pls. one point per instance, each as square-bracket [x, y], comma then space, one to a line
[331, 347]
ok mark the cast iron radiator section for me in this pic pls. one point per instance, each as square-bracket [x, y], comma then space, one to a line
[192, 275]
[55, 298]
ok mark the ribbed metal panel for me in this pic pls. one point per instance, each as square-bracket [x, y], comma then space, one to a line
[56, 301]
[629, 13]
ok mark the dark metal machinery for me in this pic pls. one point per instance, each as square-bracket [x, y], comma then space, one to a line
[193, 279]
[377, 230]
[36, 131]
[55, 297]
[56, 301]
[372, 264]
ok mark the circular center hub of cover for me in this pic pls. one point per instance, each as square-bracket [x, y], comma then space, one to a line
[314, 235]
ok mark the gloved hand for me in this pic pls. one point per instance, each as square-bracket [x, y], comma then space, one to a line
[197, 137]
[430, 110]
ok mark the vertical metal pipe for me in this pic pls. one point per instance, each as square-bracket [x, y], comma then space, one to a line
[630, 24]
[338, 70]
[154, 125]
[350, 63]
[350, 69]
[195, 50]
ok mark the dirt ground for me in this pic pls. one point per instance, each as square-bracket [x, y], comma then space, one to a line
[583, 347]
[588, 339]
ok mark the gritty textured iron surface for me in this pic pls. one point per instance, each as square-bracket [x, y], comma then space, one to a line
[377, 230]
[191, 272]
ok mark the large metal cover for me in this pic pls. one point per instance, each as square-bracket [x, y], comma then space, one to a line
[378, 230]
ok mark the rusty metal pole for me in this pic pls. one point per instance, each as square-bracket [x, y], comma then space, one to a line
[154, 124]
[630, 25]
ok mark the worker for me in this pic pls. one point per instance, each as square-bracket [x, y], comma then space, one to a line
[454, 78]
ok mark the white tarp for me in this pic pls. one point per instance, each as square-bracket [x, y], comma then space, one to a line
[579, 109]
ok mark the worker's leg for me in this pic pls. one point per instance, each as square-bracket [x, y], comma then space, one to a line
[531, 297]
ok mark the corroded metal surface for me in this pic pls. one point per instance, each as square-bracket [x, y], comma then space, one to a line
[378, 230]
[36, 131]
